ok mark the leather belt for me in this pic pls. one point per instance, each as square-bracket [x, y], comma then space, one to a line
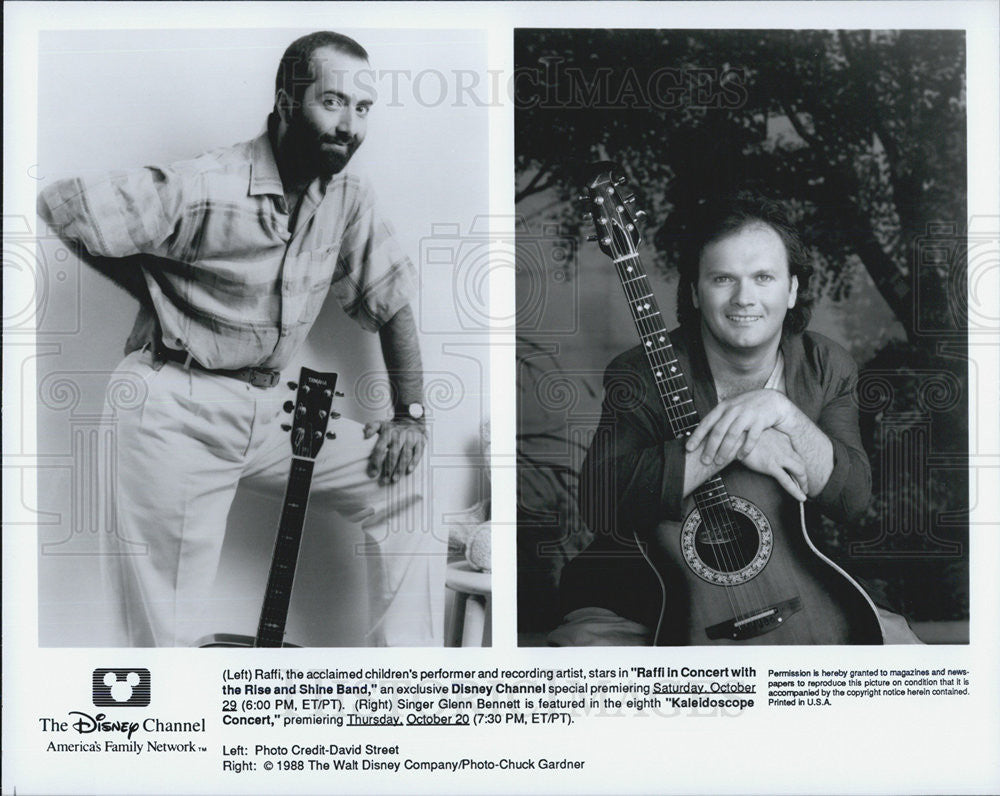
[258, 377]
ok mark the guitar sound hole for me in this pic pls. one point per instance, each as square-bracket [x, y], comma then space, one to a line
[729, 547]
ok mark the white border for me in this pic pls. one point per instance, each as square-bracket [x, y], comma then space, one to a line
[898, 747]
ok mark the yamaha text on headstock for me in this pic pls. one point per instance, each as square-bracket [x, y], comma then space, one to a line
[740, 567]
[311, 413]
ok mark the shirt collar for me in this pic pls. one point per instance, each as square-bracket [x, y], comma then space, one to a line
[689, 344]
[264, 175]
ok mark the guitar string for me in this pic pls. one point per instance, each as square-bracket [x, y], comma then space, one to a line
[727, 553]
[711, 516]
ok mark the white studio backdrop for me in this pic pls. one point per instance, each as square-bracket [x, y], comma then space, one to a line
[122, 99]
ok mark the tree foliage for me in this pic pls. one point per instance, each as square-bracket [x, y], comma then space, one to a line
[860, 133]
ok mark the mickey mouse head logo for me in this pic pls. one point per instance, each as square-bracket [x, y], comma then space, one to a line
[121, 687]
[121, 690]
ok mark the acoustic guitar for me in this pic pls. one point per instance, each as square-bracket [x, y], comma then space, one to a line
[740, 567]
[311, 414]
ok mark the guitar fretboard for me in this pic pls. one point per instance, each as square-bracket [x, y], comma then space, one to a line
[273, 615]
[671, 383]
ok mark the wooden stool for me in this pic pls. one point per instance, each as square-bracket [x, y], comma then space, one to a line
[471, 614]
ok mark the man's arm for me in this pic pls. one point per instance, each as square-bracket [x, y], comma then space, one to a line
[401, 441]
[111, 220]
[838, 471]
[117, 215]
[735, 426]
[848, 490]
[813, 447]
[634, 473]
[773, 455]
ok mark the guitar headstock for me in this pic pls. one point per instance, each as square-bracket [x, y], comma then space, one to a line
[612, 210]
[311, 411]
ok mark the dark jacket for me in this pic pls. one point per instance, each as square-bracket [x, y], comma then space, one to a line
[633, 475]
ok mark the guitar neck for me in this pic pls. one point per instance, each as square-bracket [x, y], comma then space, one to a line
[671, 383]
[274, 613]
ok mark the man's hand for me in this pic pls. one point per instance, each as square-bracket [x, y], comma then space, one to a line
[733, 427]
[774, 455]
[398, 450]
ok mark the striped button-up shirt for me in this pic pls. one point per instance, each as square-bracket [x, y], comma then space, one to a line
[228, 282]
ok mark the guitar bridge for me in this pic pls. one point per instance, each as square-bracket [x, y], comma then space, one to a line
[755, 623]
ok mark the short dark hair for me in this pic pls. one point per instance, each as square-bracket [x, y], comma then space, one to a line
[725, 216]
[295, 72]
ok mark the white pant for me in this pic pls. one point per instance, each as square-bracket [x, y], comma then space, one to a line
[185, 439]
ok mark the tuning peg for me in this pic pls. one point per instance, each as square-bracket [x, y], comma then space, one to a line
[583, 198]
[285, 427]
[330, 435]
[317, 435]
[629, 199]
[591, 238]
[288, 406]
[292, 385]
[620, 181]
[640, 213]
[339, 394]
[335, 415]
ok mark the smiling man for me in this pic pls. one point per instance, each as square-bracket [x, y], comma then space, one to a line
[231, 255]
[772, 396]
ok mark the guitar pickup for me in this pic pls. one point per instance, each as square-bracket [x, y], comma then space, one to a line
[755, 623]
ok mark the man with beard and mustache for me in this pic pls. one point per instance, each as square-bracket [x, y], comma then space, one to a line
[231, 255]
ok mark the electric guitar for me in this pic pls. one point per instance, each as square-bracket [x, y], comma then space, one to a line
[311, 413]
[740, 567]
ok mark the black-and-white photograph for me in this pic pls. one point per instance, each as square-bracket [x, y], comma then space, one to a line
[743, 389]
[262, 412]
[551, 397]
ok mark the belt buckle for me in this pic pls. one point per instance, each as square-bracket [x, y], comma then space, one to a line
[263, 378]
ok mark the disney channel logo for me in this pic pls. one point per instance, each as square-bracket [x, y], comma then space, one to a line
[87, 724]
[121, 688]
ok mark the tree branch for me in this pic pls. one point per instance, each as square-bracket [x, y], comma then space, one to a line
[535, 184]
[793, 116]
[537, 189]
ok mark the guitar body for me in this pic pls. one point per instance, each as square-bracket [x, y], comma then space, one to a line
[761, 581]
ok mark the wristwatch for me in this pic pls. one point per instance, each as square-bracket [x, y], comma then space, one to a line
[414, 411]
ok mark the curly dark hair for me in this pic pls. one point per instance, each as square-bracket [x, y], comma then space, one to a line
[725, 216]
[295, 72]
